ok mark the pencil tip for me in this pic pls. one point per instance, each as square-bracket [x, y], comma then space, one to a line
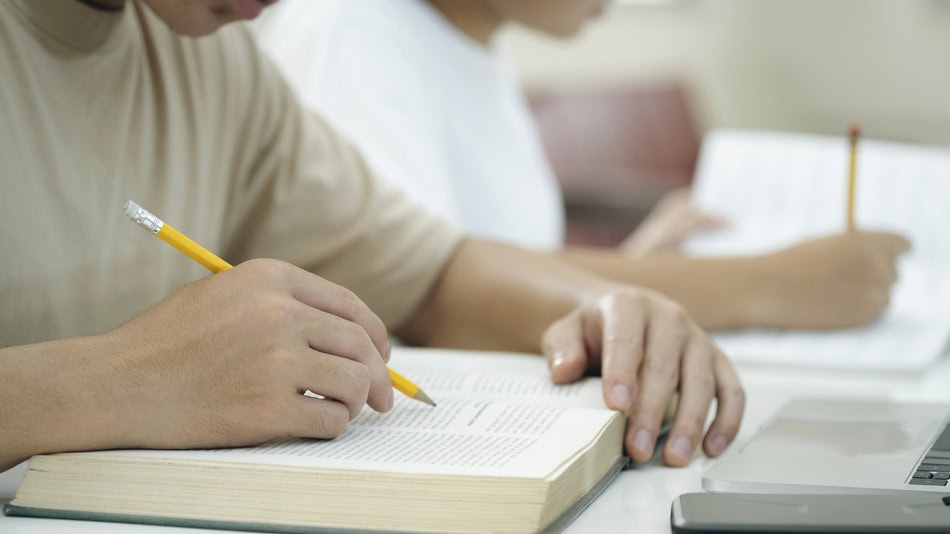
[422, 397]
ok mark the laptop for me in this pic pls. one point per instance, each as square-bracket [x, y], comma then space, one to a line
[841, 446]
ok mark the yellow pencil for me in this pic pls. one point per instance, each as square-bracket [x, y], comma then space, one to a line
[213, 263]
[854, 132]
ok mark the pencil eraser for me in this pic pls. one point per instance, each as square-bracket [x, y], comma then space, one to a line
[854, 130]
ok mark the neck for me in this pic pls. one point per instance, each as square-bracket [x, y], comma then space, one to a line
[108, 5]
[475, 18]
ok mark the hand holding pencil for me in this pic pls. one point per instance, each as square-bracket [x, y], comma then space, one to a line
[225, 361]
[338, 330]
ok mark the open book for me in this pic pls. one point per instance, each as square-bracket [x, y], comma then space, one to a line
[502, 452]
[776, 189]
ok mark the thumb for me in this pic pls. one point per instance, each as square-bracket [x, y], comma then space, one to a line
[563, 347]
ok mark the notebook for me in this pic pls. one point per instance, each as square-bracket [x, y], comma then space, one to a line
[776, 189]
[841, 446]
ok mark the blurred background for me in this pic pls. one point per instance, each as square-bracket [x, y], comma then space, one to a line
[623, 106]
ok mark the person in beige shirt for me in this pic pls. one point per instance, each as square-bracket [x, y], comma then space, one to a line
[112, 339]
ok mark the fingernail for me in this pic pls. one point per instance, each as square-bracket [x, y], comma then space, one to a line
[557, 360]
[391, 400]
[643, 442]
[683, 448]
[620, 396]
[717, 445]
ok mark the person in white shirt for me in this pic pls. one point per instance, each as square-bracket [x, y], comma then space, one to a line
[422, 88]
[435, 112]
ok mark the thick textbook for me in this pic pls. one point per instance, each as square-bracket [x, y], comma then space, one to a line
[779, 188]
[504, 451]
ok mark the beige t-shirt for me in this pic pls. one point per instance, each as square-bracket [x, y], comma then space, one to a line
[97, 108]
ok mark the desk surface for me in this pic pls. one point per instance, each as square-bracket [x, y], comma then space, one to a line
[639, 500]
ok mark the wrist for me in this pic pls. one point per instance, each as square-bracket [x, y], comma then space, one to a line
[760, 299]
[73, 404]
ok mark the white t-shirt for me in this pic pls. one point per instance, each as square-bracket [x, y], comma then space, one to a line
[432, 111]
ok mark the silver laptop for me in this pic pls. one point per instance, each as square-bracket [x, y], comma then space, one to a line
[841, 446]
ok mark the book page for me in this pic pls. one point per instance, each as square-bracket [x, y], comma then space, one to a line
[486, 438]
[515, 377]
[777, 189]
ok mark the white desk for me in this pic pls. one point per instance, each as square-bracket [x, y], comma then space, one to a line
[639, 500]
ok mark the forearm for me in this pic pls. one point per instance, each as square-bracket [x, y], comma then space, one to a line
[498, 297]
[719, 293]
[55, 397]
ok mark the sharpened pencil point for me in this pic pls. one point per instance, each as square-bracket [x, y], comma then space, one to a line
[422, 397]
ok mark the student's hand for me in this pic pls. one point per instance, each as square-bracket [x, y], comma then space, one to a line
[837, 281]
[225, 360]
[673, 219]
[647, 348]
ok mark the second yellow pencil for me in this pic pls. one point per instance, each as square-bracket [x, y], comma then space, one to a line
[854, 132]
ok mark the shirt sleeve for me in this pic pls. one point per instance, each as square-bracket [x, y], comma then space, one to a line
[307, 197]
